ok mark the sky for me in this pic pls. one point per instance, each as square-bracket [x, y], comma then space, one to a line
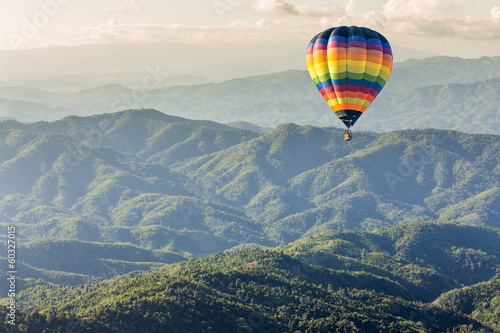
[465, 28]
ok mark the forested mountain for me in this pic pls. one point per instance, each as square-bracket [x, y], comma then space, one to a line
[139, 193]
[190, 188]
[480, 301]
[335, 281]
[149, 185]
[427, 259]
[439, 92]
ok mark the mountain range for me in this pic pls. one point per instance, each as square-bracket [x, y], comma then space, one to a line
[177, 188]
[141, 221]
[207, 187]
[439, 92]
[335, 281]
[211, 59]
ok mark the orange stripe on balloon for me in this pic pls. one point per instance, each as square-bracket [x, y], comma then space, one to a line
[357, 57]
[388, 57]
[387, 63]
[352, 94]
[375, 53]
[375, 60]
[337, 53]
[363, 96]
[342, 94]
[356, 50]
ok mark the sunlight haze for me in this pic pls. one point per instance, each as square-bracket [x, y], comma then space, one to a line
[465, 28]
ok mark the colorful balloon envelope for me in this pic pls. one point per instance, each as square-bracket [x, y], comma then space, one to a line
[349, 66]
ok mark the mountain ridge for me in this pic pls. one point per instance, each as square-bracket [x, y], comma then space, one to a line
[420, 93]
[320, 275]
[197, 187]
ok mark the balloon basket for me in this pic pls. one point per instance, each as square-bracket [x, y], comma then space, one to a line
[347, 135]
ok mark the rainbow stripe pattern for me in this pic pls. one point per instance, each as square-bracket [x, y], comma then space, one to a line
[349, 66]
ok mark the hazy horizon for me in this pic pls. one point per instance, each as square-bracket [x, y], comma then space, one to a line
[63, 48]
[127, 36]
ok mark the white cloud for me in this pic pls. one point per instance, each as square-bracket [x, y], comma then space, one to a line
[415, 7]
[495, 13]
[121, 9]
[136, 5]
[111, 22]
[113, 9]
[427, 18]
[350, 7]
[282, 7]
[236, 31]
[398, 20]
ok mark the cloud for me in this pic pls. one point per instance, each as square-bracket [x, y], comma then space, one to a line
[121, 9]
[136, 6]
[112, 22]
[427, 18]
[397, 19]
[236, 31]
[113, 9]
[350, 7]
[495, 13]
[424, 18]
[416, 7]
[282, 7]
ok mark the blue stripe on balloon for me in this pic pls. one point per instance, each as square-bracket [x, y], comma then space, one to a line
[356, 39]
[353, 82]
[367, 84]
[374, 41]
[377, 87]
[319, 86]
[321, 41]
[335, 38]
[339, 82]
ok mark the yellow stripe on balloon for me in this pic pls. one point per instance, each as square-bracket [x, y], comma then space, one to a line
[386, 70]
[356, 70]
[383, 75]
[337, 69]
[371, 71]
[356, 63]
[373, 65]
[322, 71]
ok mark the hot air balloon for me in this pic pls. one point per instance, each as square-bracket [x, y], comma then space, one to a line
[349, 66]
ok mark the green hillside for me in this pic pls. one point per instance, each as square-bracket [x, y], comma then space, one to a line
[330, 282]
[480, 302]
[196, 187]
[76, 262]
[198, 206]
[427, 259]
[305, 179]
[468, 107]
